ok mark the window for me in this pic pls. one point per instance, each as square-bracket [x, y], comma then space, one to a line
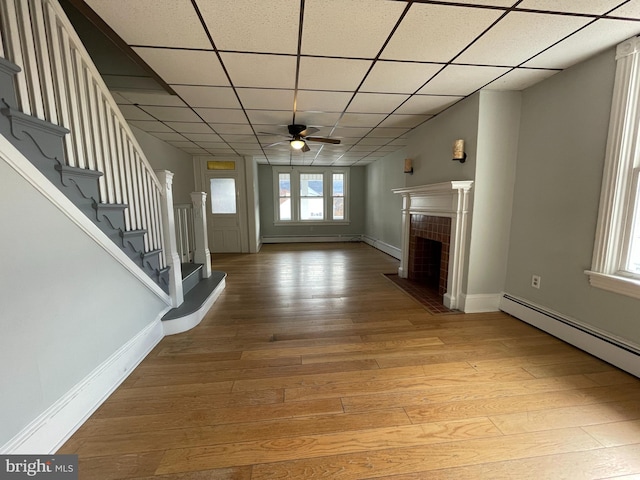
[616, 256]
[223, 195]
[308, 194]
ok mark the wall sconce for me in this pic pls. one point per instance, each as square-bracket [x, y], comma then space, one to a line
[458, 151]
[408, 167]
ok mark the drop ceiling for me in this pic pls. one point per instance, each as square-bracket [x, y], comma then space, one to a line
[365, 72]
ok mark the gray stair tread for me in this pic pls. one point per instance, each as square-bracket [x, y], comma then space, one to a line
[189, 268]
[197, 296]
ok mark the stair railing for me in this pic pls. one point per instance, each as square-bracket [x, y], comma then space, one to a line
[183, 215]
[59, 83]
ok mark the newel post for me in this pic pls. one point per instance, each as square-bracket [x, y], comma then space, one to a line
[169, 233]
[201, 240]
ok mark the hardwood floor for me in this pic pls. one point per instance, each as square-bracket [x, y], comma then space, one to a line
[314, 365]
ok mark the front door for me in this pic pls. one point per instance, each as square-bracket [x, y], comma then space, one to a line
[224, 220]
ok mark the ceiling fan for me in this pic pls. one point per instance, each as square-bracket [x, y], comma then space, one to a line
[300, 135]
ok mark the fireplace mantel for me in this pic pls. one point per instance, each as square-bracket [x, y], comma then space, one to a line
[447, 199]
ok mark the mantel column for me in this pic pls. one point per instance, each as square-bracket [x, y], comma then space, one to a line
[201, 240]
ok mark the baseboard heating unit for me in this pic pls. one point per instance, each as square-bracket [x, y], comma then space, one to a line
[598, 343]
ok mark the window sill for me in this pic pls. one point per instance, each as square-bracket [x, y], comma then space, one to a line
[310, 222]
[615, 283]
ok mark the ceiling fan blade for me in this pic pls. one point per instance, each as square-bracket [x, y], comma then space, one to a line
[306, 148]
[334, 141]
[309, 131]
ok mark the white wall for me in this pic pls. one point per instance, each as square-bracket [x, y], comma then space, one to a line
[66, 304]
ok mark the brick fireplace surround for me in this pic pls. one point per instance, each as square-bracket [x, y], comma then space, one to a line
[427, 212]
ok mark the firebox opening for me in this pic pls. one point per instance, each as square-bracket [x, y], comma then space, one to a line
[428, 260]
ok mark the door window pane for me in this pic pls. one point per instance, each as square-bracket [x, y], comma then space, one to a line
[223, 195]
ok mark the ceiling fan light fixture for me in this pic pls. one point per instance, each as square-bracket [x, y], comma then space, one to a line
[297, 144]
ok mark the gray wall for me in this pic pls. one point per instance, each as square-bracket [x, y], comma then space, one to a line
[557, 189]
[356, 209]
[430, 146]
[67, 305]
[383, 214]
[163, 156]
[498, 126]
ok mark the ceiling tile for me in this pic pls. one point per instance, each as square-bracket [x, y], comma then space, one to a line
[316, 119]
[462, 80]
[249, 26]
[222, 115]
[313, 100]
[491, 3]
[361, 119]
[377, 141]
[437, 33]
[520, 78]
[194, 150]
[169, 136]
[399, 77]
[215, 97]
[233, 138]
[519, 36]
[427, 104]
[203, 137]
[131, 112]
[225, 128]
[387, 132]
[191, 67]
[150, 126]
[329, 27]
[320, 73]
[261, 99]
[185, 143]
[190, 127]
[628, 10]
[594, 38]
[594, 7]
[172, 114]
[147, 98]
[404, 121]
[120, 100]
[269, 118]
[376, 102]
[276, 71]
[153, 22]
[350, 132]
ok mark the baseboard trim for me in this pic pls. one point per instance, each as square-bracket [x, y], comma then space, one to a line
[395, 252]
[182, 324]
[48, 432]
[478, 303]
[313, 239]
[598, 343]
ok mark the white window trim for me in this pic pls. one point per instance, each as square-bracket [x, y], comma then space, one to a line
[295, 195]
[617, 197]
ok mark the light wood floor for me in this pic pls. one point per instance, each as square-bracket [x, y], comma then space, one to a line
[314, 365]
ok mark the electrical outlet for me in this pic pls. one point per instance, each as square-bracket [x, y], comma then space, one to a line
[535, 281]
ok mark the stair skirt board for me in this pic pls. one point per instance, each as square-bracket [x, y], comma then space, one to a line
[196, 304]
[48, 432]
[598, 343]
[16, 160]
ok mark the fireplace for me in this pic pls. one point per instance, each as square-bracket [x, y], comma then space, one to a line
[434, 236]
[429, 251]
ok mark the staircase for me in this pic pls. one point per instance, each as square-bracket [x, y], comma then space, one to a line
[42, 143]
